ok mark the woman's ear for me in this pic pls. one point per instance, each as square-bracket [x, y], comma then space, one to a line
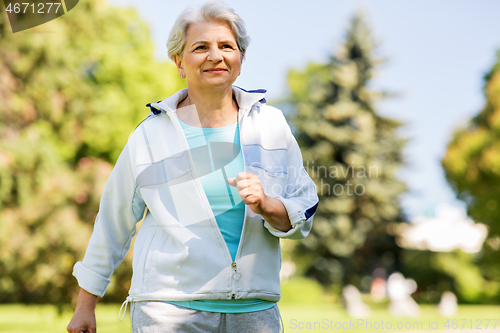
[178, 63]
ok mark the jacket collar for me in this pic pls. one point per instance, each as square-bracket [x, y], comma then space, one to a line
[245, 98]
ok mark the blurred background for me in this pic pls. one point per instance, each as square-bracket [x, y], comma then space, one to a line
[396, 108]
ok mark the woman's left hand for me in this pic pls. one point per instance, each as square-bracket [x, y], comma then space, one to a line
[250, 191]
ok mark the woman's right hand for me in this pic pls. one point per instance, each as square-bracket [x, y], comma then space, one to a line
[83, 320]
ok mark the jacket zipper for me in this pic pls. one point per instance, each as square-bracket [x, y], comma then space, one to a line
[246, 206]
[236, 276]
[207, 206]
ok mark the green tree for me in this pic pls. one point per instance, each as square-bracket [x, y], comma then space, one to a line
[352, 154]
[472, 167]
[68, 102]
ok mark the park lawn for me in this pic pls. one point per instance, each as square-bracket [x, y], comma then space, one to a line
[303, 308]
[333, 318]
[296, 317]
[20, 318]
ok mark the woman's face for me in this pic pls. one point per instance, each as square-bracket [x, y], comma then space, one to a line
[211, 56]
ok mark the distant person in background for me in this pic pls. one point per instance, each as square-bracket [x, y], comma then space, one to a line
[223, 180]
[399, 290]
[378, 289]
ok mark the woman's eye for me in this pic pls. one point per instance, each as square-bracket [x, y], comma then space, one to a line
[227, 46]
[201, 47]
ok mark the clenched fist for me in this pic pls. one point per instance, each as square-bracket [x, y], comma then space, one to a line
[83, 320]
[251, 192]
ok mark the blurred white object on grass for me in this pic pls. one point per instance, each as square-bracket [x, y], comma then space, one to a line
[448, 305]
[400, 290]
[354, 304]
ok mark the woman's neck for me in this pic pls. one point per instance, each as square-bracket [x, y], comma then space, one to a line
[208, 108]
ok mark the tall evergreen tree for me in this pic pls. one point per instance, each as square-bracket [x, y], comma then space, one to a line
[352, 154]
[472, 167]
[68, 101]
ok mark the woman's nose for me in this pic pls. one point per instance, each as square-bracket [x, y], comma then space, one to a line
[214, 54]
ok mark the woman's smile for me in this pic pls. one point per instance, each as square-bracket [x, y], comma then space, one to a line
[215, 70]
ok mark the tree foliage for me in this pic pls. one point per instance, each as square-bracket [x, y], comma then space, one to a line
[472, 167]
[352, 153]
[68, 101]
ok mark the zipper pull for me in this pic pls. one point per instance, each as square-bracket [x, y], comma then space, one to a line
[236, 274]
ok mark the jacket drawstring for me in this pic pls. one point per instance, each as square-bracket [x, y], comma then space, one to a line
[125, 303]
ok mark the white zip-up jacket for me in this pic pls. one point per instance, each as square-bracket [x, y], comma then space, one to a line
[179, 253]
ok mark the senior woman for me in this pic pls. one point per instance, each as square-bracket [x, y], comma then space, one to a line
[223, 180]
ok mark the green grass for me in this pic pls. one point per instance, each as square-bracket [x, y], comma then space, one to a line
[303, 305]
[325, 318]
[44, 318]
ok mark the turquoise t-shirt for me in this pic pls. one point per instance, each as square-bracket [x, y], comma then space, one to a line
[225, 161]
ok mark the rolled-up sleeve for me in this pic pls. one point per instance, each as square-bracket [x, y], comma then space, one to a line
[300, 198]
[121, 207]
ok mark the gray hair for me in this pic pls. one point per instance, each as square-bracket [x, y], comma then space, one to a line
[209, 11]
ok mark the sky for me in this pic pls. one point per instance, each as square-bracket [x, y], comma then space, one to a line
[438, 53]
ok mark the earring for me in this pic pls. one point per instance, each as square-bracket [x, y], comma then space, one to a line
[182, 76]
